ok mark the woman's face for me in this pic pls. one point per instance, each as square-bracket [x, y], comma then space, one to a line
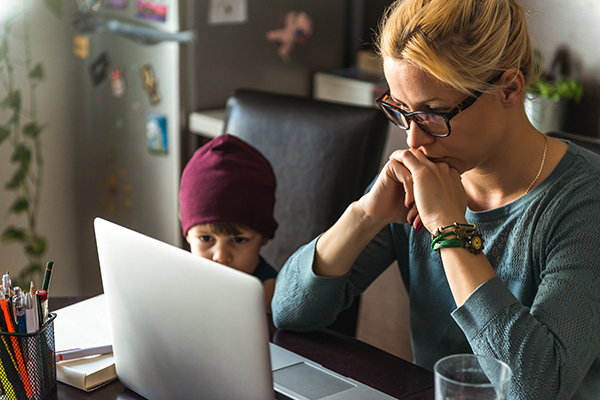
[476, 131]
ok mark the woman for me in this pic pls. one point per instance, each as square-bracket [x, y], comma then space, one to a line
[457, 70]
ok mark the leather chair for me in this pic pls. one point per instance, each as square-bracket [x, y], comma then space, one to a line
[589, 143]
[324, 156]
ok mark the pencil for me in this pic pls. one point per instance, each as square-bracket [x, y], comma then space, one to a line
[79, 353]
[47, 275]
[20, 365]
[6, 385]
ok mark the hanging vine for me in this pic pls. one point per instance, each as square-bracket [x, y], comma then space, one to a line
[21, 130]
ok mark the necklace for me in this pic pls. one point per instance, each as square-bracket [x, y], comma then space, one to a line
[541, 166]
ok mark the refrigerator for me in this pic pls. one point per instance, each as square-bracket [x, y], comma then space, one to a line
[142, 67]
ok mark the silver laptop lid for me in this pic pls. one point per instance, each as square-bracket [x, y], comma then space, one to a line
[182, 327]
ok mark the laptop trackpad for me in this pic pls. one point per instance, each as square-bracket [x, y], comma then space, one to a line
[310, 382]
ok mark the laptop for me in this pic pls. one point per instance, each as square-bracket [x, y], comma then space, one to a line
[184, 327]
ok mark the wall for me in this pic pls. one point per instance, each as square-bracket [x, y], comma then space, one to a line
[51, 44]
[231, 56]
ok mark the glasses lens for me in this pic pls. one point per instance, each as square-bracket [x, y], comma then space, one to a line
[396, 117]
[433, 124]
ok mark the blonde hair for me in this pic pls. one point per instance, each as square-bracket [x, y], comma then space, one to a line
[463, 43]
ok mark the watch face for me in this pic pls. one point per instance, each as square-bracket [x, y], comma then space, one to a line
[475, 243]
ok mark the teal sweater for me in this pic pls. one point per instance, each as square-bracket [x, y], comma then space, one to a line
[541, 315]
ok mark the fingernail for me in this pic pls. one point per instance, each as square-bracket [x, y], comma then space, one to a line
[411, 205]
[419, 226]
[410, 221]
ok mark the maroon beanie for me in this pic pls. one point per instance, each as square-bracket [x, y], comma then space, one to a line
[228, 181]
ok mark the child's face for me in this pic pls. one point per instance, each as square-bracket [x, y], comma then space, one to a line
[240, 252]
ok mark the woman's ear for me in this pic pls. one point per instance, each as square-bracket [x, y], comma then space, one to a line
[514, 87]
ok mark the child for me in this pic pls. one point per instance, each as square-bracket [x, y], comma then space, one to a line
[226, 201]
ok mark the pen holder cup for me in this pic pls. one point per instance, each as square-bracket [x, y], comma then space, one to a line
[28, 363]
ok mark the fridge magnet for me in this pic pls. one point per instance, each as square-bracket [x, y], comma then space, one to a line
[81, 46]
[151, 11]
[150, 84]
[99, 68]
[114, 188]
[117, 82]
[297, 29]
[116, 4]
[89, 5]
[227, 12]
[156, 133]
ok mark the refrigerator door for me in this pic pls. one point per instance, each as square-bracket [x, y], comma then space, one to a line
[127, 135]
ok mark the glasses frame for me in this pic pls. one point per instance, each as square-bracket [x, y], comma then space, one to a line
[412, 116]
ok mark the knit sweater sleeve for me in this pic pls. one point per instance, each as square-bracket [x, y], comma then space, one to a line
[552, 345]
[304, 301]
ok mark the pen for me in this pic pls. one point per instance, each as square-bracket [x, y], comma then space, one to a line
[43, 302]
[32, 288]
[38, 305]
[31, 318]
[19, 309]
[6, 285]
[48, 276]
[78, 353]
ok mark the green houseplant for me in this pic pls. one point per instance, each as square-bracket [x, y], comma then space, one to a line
[547, 86]
[549, 93]
[21, 131]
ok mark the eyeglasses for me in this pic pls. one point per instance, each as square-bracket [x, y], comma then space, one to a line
[435, 124]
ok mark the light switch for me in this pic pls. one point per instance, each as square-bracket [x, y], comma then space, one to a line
[227, 11]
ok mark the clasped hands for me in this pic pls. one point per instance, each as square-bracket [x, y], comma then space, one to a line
[412, 188]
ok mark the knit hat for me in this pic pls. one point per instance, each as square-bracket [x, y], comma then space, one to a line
[228, 181]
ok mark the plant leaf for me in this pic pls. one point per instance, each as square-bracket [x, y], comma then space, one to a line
[17, 179]
[22, 156]
[4, 133]
[14, 119]
[19, 205]
[13, 100]
[12, 234]
[55, 7]
[31, 130]
[37, 72]
[36, 246]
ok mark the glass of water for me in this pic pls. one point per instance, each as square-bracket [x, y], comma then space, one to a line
[470, 377]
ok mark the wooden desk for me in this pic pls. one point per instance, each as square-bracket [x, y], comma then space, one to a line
[342, 354]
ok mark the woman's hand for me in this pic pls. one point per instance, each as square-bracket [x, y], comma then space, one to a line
[436, 188]
[391, 195]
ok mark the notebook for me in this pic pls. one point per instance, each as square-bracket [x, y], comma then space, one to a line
[183, 327]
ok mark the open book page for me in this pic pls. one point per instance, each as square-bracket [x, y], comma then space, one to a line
[82, 325]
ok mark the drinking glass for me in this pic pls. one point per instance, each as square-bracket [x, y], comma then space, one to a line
[470, 377]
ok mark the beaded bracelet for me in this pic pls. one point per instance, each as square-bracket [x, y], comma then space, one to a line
[466, 236]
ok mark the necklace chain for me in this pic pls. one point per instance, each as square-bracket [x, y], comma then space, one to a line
[541, 166]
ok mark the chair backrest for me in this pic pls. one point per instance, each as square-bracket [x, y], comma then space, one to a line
[589, 143]
[324, 156]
